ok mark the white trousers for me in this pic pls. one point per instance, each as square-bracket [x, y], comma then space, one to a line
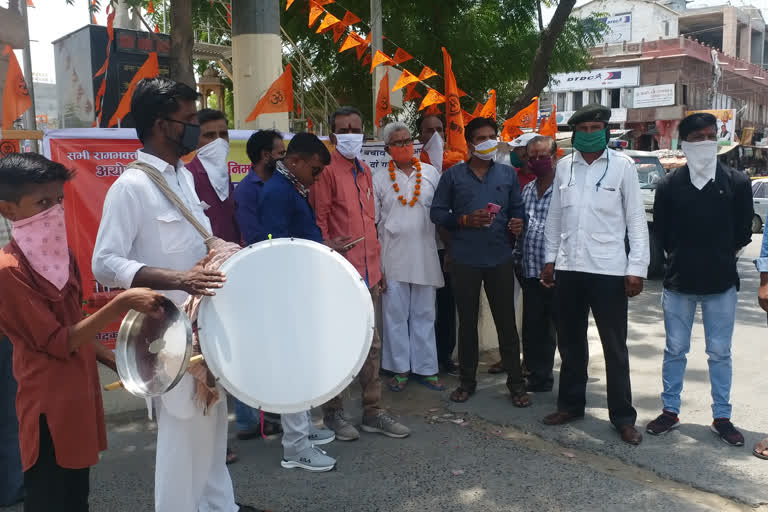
[191, 472]
[296, 428]
[409, 328]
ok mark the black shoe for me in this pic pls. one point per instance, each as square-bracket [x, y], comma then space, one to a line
[539, 388]
[727, 432]
[450, 368]
[666, 422]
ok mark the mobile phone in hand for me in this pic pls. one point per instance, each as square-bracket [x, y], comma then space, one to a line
[353, 243]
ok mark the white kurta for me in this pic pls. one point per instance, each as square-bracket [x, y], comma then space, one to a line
[407, 235]
[140, 227]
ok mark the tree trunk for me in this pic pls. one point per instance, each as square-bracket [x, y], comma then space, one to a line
[182, 40]
[539, 74]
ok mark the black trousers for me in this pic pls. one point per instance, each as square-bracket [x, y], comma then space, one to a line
[577, 293]
[445, 322]
[539, 333]
[499, 284]
[49, 487]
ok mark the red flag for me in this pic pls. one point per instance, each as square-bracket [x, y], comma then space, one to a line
[149, 69]
[310, 125]
[367, 60]
[151, 8]
[454, 119]
[278, 98]
[411, 93]
[338, 31]
[157, 29]
[16, 98]
[489, 110]
[401, 56]
[383, 107]
[350, 19]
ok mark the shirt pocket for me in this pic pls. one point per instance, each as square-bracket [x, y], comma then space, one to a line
[172, 233]
[607, 200]
[567, 196]
[606, 246]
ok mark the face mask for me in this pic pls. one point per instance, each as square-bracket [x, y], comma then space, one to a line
[401, 154]
[43, 240]
[541, 166]
[514, 159]
[702, 161]
[590, 142]
[486, 150]
[189, 137]
[213, 156]
[349, 145]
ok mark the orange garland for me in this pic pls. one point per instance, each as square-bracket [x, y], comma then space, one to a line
[417, 165]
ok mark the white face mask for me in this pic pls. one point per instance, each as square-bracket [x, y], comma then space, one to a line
[702, 161]
[349, 145]
[486, 150]
[213, 156]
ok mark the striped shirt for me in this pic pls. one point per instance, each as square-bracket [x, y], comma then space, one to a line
[5, 232]
[536, 211]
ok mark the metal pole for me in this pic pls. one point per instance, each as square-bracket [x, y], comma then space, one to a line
[377, 43]
[165, 25]
[29, 116]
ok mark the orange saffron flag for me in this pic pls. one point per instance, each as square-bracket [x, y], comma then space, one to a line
[527, 117]
[151, 8]
[381, 58]
[478, 109]
[454, 118]
[16, 99]
[510, 132]
[350, 19]
[328, 23]
[401, 56]
[310, 125]
[467, 117]
[432, 98]
[361, 49]
[411, 93]
[367, 60]
[278, 98]
[149, 69]
[549, 125]
[315, 10]
[351, 41]
[434, 110]
[383, 106]
[405, 79]
[489, 110]
[426, 73]
[288, 4]
[338, 31]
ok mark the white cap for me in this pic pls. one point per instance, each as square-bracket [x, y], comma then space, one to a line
[523, 140]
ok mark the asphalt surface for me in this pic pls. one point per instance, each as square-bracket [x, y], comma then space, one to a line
[486, 455]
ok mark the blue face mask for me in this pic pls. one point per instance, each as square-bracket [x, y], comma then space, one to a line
[590, 142]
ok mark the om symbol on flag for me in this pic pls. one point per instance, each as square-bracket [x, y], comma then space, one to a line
[454, 106]
[276, 98]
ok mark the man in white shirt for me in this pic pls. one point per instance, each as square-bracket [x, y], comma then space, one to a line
[145, 241]
[595, 201]
[403, 197]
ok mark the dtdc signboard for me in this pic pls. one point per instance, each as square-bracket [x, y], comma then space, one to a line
[619, 28]
[609, 78]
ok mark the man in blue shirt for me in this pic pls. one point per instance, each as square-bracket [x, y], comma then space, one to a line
[479, 204]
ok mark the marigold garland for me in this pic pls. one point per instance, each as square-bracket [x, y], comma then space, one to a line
[417, 192]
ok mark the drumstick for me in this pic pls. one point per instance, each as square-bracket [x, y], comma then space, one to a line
[118, 384]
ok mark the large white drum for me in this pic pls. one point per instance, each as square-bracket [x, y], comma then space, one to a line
[291, 327]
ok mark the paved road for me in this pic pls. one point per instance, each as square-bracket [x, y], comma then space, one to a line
[488, 456]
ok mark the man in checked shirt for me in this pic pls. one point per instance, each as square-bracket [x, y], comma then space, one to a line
[539, 331]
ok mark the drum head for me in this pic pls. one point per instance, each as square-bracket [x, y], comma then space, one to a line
[152, 352]
[291, 327]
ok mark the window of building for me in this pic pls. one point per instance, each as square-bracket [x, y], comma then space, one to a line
[560, 101]
[578, 100]
[684, 99]
[596, 97]
[614, 98]
[666, 28]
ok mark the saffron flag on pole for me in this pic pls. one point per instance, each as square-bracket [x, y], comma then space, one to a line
[16, 99]
[489, 109]
[527, 117]
[149, 69]
[383, 106]
[478, 109]
[278, 98]
[454, 118]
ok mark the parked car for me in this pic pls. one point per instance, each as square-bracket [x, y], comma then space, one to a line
[649, 173]
[760, 203]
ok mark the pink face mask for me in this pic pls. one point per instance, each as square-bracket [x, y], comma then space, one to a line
[43, 240]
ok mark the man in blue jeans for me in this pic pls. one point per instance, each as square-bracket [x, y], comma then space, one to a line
[702, 217]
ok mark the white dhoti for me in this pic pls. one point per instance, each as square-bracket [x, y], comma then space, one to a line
[191, 473]
[409, 329]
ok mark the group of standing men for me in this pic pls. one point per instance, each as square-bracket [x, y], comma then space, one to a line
[575, 236]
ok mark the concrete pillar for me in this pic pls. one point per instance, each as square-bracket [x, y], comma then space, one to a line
[745, 43]
[758, 42]
[256, 60]
[730, 31]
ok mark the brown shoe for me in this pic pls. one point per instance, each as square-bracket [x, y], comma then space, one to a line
[630, 435]
[561, 418]
[496, 367]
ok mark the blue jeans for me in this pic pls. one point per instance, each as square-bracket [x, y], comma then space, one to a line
[246, 417]
[12, 477]
[719, 314]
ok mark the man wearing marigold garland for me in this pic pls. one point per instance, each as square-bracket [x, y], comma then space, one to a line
[409, 258]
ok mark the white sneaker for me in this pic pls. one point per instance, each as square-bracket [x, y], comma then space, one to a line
[312, 459]
[320, 436]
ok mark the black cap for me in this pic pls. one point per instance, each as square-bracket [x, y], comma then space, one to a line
[591, 112]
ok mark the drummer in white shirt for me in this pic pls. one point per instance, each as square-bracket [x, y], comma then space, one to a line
[144, 241]
[409, 260]
[595, 201]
